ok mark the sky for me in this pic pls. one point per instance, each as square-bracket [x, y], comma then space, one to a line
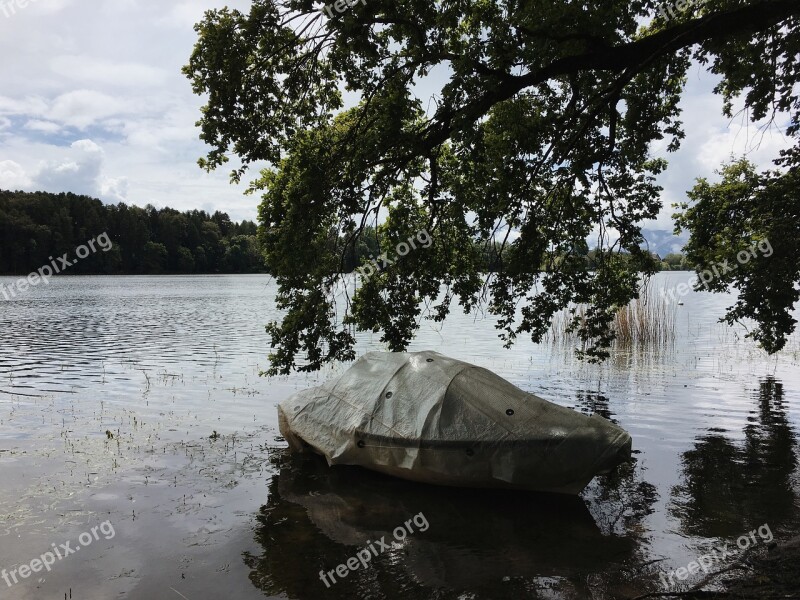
[93, 101]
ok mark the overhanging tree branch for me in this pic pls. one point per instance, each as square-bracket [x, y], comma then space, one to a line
[744, 20]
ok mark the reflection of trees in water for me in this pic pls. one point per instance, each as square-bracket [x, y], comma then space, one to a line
[619, 503]
[727, 488]
[590, 402]
[621, 499]
[493, 543]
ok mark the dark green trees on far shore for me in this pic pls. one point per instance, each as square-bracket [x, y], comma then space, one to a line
[36, 226]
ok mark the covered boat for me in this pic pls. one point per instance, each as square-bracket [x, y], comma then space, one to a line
[425, 417]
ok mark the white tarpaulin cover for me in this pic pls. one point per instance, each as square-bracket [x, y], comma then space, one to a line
[426, 417]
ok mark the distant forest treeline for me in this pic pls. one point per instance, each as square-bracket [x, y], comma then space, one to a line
[36, 226]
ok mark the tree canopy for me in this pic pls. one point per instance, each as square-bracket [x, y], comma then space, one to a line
[538, 137]
[746, 230]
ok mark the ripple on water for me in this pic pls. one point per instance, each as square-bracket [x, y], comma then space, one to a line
[163, 361]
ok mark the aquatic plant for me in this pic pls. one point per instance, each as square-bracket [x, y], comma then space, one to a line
[647, 322]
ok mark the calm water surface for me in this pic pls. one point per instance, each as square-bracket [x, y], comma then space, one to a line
[138, 401]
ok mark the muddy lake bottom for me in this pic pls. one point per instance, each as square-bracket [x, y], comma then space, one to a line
[133, 406]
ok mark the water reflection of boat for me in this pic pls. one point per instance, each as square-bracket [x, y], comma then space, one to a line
[505, 543]
[425, 417]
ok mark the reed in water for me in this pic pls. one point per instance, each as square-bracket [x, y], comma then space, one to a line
[648, 322]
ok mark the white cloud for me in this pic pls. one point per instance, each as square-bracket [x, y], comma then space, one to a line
[111, 70]
[185, 14]
[80, 170]
[114, 189]
[97, 70]
[13, 176]
[759, 146]
[43, 126]
[88, 146]
[30, 105]
[711, 139]
[48, 7]
[82, 108]
[78, 108]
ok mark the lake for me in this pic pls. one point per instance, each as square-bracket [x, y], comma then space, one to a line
[133, 406]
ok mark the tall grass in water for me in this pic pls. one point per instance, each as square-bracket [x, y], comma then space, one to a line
[647, 323]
